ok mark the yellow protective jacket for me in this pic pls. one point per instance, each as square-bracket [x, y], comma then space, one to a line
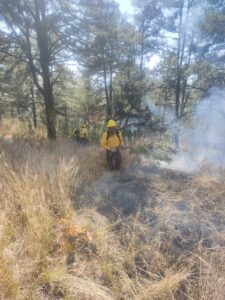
[83, 131]
[112, 142]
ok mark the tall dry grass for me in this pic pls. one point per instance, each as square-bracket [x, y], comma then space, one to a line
[51, 248]
[38, 190]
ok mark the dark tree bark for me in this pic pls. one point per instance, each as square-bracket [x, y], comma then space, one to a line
[108, 106]
[33, 107]
[43, 45]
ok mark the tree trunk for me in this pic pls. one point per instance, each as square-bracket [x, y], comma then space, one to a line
[108, 104]
[66, 130]
[177, 101]
[50, 111]
[142, 58]
[111, 90]
[12, 114]
[164, 106]
[42, 39]
[186, 94]
[178, 80]
[33, 107]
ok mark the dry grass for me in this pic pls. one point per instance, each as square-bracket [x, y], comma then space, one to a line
[38, 190]
[21, 129]
[190, 228]
[52, 249]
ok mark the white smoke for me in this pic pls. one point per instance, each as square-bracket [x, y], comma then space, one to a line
[204, 142]
[164, 113]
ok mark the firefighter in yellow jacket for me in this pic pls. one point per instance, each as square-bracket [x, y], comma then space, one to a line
[112, 141]
[83, 133]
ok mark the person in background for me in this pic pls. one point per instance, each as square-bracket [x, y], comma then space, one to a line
[76, 135]
[112, 141]
[83, 133]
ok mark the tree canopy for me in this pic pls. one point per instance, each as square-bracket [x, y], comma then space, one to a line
[67, 60]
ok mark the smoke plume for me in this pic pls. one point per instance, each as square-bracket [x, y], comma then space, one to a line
[203, 143]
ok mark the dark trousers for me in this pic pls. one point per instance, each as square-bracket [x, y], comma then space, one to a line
[113, 159]
[83, 140]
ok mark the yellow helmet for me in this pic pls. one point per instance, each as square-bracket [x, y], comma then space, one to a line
[111, 123]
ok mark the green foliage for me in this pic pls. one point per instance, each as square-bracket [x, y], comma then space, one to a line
[129, 90]
[214, 20]
[155, 151]
[95, 132]
[109, 54]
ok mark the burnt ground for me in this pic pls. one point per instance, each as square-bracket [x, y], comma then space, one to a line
[176, 205]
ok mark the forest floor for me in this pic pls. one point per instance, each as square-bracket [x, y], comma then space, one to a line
[70, 229]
